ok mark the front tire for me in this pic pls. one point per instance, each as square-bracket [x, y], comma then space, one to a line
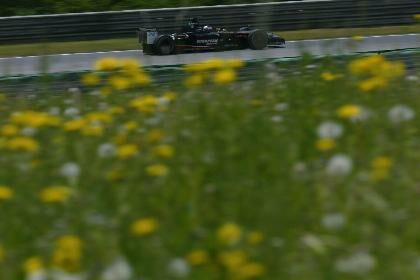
[258, 39]
[164, 45]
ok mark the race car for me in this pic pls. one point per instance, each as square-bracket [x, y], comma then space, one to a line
[198, 37]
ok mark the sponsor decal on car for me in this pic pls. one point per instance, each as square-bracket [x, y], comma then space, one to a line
[207, 41]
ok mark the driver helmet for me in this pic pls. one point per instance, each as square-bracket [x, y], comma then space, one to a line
[207, 28]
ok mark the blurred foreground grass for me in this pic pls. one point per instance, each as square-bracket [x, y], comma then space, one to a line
[131, 43]
[313, 175]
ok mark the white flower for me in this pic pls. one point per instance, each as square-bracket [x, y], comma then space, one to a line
[118, 270]
[281, 107]
[276, 119]
[106, 150]
[37, 275]
[358, 263]
[71, 171]
[28, 131]
[363, 116]
[329, 129]
[72, 112]
[178, 267]
[339, 165]
[55, 111]
[313, 242]
[400, 113]
[333, 221]
[412, 78]
[73, 90]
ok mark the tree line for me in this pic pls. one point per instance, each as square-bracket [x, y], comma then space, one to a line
[30, 7]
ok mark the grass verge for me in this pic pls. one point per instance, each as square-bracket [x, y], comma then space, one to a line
[131, 43]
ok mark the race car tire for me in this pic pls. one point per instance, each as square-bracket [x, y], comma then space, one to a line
[257, 39]
[164, 45]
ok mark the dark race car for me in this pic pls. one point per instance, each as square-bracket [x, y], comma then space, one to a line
[197, 37]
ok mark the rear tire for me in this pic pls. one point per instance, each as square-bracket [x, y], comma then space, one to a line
[257, 39]
[164, 45]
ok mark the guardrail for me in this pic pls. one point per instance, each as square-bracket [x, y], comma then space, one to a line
[294, 15]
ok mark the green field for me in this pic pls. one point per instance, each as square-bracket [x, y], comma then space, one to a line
[310, 175]
[131, 43]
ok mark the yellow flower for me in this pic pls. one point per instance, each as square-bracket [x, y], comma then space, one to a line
[98, 117]
[234, 63]
[154, 136]
[380, 168]
[130, 65]
[55, 194]
[34, 119]
[357, 38]
[157, 170]
[141, 79]
[127, 150]
[211, 64]
[325, 144]
[197, 257]
[255, 237]
[33, 264]
[170, 95]
[224, 76]
[91, 79]
[2, 253]
[366, 65]
[250, 270]
[195, 80]
[381, 162]
[6, 193]
[75, 125]
[22, 144]
[107, 64]
[145, 226]
[131, 125]
[93, 130]
[233, 259]
[164, 151]
[9, 130]
[145, 104]
[115, 110]
[417, 16]
[349, 111]
[229, 233]
[119, 82]
[328, 76]
[67, 253]
[372, 84]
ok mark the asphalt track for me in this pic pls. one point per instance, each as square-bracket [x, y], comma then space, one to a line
[32, 65]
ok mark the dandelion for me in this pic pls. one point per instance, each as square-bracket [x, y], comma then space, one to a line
[33, 265]
[70, 170]
[329, 76]
[250, 270]
[90, 79]
[417, 16]
[339, 165]
[400, 113]
[195, 80]
[119, 82]
[380, 167]
[106, 64]
[154, 136]
[224, 76]
[9, 130]
[75, 125]
[144, 227]
[145, 104]
[164, 151]
[23, 143]
[197, 257]
[372, 84]
[6, 193]
[255, 238]
[333, 221]
[314, 243]
[233, 259]
[119, 270]
[178, 267]
[157, 170]
[330, 130]
[126, 151]
[229, 233]
[106, 150]
[349, 111]
[325, 144]
[358, 263]
[55, 194]
[67, 253]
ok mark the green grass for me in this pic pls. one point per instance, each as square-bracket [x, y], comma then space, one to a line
[131, 43]
[244, 154]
